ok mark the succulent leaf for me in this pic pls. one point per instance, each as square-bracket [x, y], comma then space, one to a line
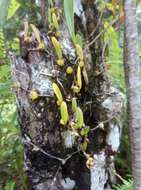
[64, 113]
[57, 92]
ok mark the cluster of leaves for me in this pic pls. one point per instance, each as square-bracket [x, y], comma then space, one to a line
[70, 117]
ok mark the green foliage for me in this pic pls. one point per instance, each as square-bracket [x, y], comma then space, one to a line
[11, 150]
[114, 61]
[69, 15]
[78, 40]
[126, 185]
[10, 185]
[114, 57]
[64, 113]
[79, 118]
[50, 3]
[13, 7]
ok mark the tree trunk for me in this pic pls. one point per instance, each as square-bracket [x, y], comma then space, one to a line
[132, 73]
[54, 159]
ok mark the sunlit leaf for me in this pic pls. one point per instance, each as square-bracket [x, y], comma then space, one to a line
[69, 15]
[64, 113]
[13, 7]
[10, 185]
[57, 92]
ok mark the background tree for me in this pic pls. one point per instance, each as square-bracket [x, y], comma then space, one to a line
[132, 73]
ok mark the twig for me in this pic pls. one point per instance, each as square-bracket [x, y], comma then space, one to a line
[118, 176]
[63, 161]
[93, 32]
[103, 122]
[55, 176]
[102, 32]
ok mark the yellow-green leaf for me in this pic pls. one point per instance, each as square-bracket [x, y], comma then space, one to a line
[13, 7]
[60, 62]
[83, 146]
[36, 32]
[85, 131]
[41, 46]
[69, 70]
[79, 51]
[81, 63]
[79, 79]
[64, 113]
[57, 47]
[74, 105]
[57, 92]
[55, 21]
[79, 118]
[33, 95]
[75, 89]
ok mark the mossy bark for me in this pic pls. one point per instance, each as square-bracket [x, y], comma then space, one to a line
[53, 160]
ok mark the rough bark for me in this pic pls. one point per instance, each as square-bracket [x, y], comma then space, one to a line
[53, 160]
[132, 73]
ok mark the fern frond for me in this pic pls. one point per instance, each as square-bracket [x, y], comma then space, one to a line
[127, 185]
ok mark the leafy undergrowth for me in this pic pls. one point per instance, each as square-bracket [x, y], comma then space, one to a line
[11, 149]
[114, 58]
[114, 61]
[126, 185]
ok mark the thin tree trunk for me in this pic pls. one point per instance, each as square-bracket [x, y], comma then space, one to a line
[133, 82]
[53, 159]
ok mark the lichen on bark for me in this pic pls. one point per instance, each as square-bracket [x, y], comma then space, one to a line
[53, 158]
